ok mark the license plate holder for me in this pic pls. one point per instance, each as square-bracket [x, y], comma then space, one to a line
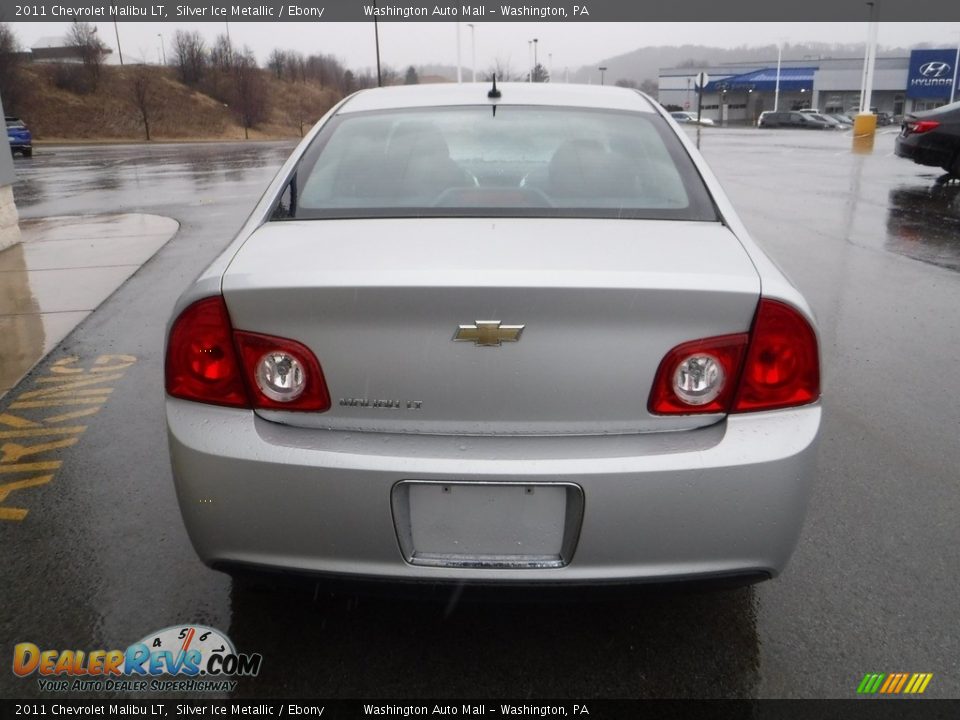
[487, 524]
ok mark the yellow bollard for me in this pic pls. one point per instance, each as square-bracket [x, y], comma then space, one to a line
[864, 124]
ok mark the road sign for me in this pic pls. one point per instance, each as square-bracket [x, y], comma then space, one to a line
[701, 79]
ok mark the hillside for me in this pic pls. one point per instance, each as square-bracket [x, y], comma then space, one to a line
[175, 111]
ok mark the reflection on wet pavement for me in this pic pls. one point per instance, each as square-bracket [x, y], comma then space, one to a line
[67, 179]
[923, 223]
[64, 268]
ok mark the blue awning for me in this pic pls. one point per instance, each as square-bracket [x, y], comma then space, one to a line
[765, 80]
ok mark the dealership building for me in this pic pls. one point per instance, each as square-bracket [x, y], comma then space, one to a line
[737, 93]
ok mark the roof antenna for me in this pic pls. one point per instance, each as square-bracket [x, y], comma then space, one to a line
[494, 93]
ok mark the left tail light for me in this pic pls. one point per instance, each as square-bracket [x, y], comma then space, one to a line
[209, 362]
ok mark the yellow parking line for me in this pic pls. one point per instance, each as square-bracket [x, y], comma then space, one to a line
[17, 422]
[71, 415]
[30, 467]
[42, 432]
[58, 403]
[9, 487]
[66, 384]
[12, 452]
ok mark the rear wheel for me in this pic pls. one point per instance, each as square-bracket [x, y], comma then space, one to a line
[954, 167]
[27, 152]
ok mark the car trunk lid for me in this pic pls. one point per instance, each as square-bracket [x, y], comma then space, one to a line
[601, 303]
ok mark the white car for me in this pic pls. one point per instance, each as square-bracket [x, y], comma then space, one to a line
[475, 335]
[689, 117]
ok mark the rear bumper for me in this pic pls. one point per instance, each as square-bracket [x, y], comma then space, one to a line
[719, 501]
[924, 150]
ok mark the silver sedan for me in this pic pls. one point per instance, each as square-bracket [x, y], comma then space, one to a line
[494, 334]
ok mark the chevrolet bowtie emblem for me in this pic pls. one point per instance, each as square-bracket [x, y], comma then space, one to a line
[488, 333]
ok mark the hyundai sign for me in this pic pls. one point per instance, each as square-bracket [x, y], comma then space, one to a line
[931, 73]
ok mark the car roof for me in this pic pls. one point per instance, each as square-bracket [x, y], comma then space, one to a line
[449, 94]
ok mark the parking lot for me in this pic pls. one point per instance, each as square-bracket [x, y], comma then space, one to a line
[101, 559]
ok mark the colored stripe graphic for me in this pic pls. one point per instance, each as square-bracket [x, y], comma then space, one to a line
[870, 683]
[918, 683]
[894, 683]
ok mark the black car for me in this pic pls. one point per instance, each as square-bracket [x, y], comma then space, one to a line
[932, 138]
[792, 119]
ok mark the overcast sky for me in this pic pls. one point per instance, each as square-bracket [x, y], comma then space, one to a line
[571, 44]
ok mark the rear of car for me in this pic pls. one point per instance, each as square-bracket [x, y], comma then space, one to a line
[19, 136]
[510, 339]
[932, 138]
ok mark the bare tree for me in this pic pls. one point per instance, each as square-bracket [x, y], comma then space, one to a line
[296, 66]
[221, 54]
[190, 56]
[142, 95]
[250, 103]
[503, 71]
[11, 83]
[277, 62]
[650, 87]
[83, 37]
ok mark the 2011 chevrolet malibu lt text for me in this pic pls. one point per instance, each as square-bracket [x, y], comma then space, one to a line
[497, 334]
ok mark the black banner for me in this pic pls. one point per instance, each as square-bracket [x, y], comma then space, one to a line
[478, 11]
[872, 709]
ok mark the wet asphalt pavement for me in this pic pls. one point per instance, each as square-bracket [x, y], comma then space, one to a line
[102, 559]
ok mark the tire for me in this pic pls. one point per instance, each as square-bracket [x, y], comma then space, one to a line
[27, 152]
[954, 168]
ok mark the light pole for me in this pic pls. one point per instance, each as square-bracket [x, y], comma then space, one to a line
[376, 42]
[953, 88]
[871, 59]
[550, 62]
[602, 71]
[117, 31]
[529, 60]
[473, 51]
[535, 56]
[776, 90]
[162, 48]
[459, 69]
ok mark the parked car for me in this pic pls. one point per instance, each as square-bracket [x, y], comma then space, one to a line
[19, 136]
[884, 118]
[842, 119]
[932, 137]
[689, 117]
[817, 115]
[511, 334]
[790, 119]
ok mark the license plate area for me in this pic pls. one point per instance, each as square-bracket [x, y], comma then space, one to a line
[487, 524]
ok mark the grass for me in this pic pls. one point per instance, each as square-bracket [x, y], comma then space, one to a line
[177, 112]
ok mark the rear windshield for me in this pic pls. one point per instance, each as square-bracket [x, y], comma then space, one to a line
[518, 161]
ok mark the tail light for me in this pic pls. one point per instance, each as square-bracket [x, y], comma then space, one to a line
[915, 127]
[698, 376]
[207, 361]
[776, 366]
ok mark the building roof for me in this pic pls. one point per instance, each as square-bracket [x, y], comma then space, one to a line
[765, 79]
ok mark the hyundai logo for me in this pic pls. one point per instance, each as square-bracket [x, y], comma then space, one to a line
[934, 69]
